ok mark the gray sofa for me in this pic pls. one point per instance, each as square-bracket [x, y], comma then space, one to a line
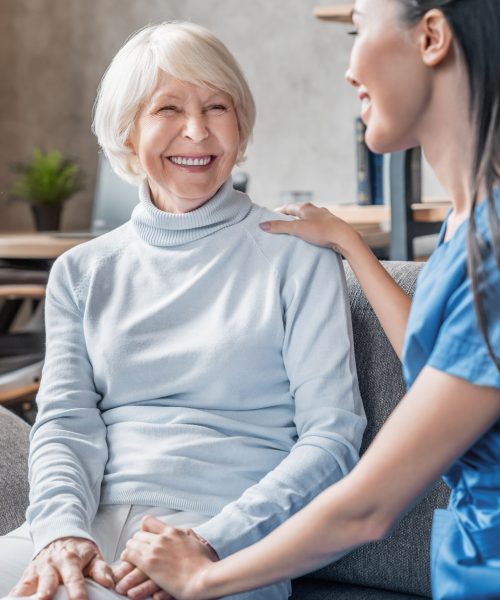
[396, 568]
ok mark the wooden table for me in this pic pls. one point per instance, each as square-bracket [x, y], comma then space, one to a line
[424, 212]
[35, 245]
[373, 222]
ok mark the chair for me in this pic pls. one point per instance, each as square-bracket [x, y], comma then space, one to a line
[21, 351]
[405, 177]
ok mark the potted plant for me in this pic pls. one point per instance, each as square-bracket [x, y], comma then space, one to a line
[47, 180]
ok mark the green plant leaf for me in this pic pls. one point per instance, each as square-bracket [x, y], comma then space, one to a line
[47, 178]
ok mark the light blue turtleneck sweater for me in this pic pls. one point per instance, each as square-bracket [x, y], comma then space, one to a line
[197, 363]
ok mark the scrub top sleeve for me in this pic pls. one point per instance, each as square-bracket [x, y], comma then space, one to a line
[460, 348]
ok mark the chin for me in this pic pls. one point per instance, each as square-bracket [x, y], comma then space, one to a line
[384, 144]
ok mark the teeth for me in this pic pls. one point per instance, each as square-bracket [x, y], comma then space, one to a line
[190, 162]
[365, 103]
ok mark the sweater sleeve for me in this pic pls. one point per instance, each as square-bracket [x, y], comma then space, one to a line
[329, 416]
[68, 441]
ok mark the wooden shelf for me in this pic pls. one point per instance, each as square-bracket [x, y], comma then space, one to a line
[428, 212]
[337, 14]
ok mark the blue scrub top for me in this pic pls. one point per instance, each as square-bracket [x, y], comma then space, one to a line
[443, 333]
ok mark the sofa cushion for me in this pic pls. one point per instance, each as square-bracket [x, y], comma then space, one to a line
[310, 589]
[14, 434]
[401, 562]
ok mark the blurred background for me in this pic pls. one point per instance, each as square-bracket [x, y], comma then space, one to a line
[54, 52]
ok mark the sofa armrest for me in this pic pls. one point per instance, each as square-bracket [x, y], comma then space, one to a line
[14, 444]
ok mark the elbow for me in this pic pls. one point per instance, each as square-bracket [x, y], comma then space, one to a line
[372, 525]
[351, 518]
[376, 525]
[376, 529]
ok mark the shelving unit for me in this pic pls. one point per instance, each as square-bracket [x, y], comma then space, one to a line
[337, 14]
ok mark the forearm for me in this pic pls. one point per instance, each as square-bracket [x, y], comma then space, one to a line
[65, 474]
[394, 472]
[264, 506]
[389, 302]
[320, 533]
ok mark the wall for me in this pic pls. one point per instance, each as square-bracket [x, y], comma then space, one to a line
[53, 53]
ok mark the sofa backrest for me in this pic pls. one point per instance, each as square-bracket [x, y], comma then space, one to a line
[14, 435]
[401, 562]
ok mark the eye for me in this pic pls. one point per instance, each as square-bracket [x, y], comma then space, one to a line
[217, 108]
[352, 32]
[169, 108]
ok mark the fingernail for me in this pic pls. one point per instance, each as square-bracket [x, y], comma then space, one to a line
[264, 226]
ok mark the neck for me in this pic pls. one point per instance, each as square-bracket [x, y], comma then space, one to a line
[447, 136]
[449, 151]
[161, 228]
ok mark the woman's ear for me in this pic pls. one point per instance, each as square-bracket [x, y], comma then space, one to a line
[130, 146]
[435, 39]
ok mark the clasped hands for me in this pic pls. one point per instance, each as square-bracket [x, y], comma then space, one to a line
[159, 561]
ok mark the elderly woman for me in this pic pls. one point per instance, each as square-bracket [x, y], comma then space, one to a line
[193, 371]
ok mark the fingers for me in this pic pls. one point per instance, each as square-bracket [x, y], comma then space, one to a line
[302, 211]
[122, 569]
[131, 580]
[145, 536]
[290, 209]
[162, 595]
[133, 553]
[48, 582]
[101, 572]
[298, 210]
[152, 524]
[144, 590]
[72, 578]
[27, 585]
[278, 226]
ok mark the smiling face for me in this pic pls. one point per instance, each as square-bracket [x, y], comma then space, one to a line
[393, 83]
[186, 138]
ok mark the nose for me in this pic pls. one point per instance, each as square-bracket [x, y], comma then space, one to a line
[195, 128]
[351, 79]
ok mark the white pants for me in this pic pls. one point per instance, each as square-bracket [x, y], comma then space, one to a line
[113, 526]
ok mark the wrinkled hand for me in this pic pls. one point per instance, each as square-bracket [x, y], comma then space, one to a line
[65, 561]
[167, 557]
[314, 225]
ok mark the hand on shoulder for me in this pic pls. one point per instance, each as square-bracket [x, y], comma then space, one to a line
[315, 225]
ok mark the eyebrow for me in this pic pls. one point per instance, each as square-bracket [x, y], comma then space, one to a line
[162, 95]
[169, 96]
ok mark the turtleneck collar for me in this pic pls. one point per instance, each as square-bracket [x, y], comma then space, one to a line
[160, 228]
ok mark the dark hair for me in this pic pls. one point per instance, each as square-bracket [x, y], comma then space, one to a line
[476, 28]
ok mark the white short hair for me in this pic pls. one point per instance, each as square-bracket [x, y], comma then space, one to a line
[187, 52]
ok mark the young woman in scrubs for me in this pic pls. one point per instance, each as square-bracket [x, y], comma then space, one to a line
[427, 73]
